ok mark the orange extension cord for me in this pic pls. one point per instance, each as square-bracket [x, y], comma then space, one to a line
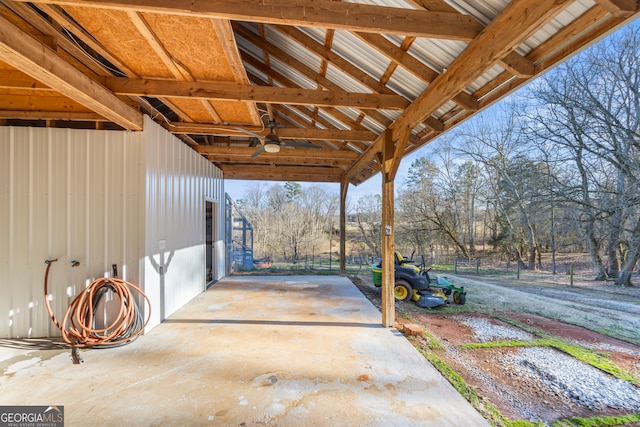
[78, 323]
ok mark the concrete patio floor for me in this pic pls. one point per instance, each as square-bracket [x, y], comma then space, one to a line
[250, 351]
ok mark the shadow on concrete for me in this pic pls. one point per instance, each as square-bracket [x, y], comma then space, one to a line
[275, 322]
[35, 344]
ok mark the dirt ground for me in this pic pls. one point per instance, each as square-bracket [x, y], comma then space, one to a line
[584, 314]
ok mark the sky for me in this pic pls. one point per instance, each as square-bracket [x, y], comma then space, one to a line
[238, 188]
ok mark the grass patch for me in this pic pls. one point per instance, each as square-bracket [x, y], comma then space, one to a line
[432, 342]
[619, 420]
[500, 344]
[488, 411]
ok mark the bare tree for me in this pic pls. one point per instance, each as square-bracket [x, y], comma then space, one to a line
[287, 218]
[590, 107]
[428, 205]
[499, 145]
[369, 221]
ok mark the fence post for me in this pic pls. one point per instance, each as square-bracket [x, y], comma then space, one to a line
[455, 266]
[571, 274]
[477, 267]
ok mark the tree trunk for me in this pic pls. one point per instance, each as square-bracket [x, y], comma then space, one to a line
[554, 270]
[615, 230]
[633, 255]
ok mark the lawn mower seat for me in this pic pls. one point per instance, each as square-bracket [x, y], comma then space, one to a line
[400, 260]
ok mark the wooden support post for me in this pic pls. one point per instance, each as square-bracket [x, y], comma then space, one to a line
[391, 156]
[344, 186]
[388, 267]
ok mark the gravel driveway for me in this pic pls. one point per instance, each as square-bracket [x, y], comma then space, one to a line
[538, 384]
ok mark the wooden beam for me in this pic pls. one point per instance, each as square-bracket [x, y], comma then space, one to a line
[336, 113]
[305, 70]
[28, 55]
[281, 173]
[309, 153]
[14, 79]
[367, 157]
[344, 187]
[619, 8]
[58, 41]
[414, 66]
[284, 159]
[388, 233]
[307, 13]
[228, 42]
[517, 65]
[567, 34]
[51, 115]
[283, 133]
[514, 24]
[269, 95]
[398, 153]
[434, 124]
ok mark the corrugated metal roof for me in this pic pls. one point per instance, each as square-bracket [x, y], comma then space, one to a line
[434, 53]
[293, 48]
[318, 34]
[563, 19]
[345, 81]
[406, 84]
[482, 11]
[445, 108]
[437, 54]
[485, 78]
[292, 74]
[359, 53]
[272, 55]
[333, 120]
[372, 125]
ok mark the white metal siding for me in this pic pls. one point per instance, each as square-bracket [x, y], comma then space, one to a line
[66, 194]
[101, 198]
[178, 181]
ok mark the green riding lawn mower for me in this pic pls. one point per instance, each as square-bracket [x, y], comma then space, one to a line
[412, 282]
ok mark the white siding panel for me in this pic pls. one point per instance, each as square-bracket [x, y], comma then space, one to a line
[62, 196]
[101, 198]
[5, 226]
[178, 182]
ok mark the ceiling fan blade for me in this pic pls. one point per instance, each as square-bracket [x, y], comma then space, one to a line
[259, 151]
[255, 135]
[300, 144]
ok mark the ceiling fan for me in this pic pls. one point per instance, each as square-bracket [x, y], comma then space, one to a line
[271, 143]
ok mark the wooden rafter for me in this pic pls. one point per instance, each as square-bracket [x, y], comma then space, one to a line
[269, 95]
[308, 13]
[43, 64]
[337, 114]
[300, 152]
[281, 173]
[311, 134]
[334, 59]
[499, 38]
